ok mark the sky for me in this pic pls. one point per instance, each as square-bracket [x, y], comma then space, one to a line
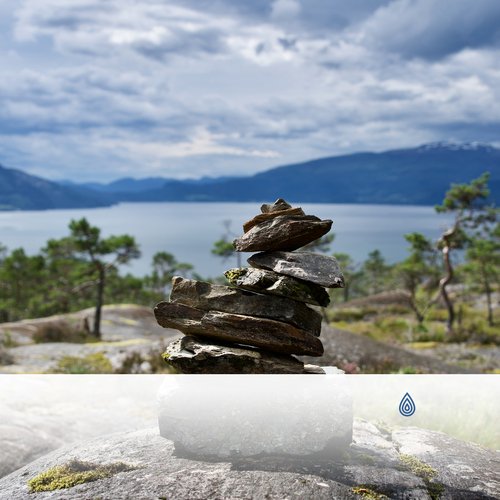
[95, 90]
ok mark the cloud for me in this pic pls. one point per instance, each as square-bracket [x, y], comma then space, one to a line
[433, 29]
[202, 143]
[151, 28]
[285, 9]
[212, 87]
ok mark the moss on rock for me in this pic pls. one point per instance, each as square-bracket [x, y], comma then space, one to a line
[426, 472]
[418, 467]
[73, 473]
[368, 493]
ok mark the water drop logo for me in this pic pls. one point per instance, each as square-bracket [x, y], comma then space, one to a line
[407, 406]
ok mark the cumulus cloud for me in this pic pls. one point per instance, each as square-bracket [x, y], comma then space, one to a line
[432, 29]
[206, 87]
[284, 9]
[151, 28]
[202, 143]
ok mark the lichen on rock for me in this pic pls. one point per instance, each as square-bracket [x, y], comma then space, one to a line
[73, 473]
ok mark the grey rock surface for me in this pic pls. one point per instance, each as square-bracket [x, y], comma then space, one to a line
[192, 355]
[268, 334]
[269, 282]
[322, 270]
[130, 334]
[39, 414]
[240, 415]
[466, 466]
[284, 232]
[353, 352]
[119, 322]
[162, 473]
[206, 296]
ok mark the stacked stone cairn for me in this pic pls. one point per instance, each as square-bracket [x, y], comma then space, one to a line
[262, 320]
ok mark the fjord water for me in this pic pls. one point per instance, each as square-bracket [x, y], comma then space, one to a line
[188, 230]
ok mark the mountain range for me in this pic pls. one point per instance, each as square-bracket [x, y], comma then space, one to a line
[21, 191]
[416, 176]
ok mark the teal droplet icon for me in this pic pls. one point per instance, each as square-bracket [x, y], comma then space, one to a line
[407, 406]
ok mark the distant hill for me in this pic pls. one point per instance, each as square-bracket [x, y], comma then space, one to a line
[131, 185]
[21, 191]
[416, 176]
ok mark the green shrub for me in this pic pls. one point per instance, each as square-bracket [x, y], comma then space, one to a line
[90, 364]
[395, 326]
[5, 357]
[437, 315]
[397, 309]
[476, 329]
[350, 314]
[7, 340]
[431, 332]
[61, 331]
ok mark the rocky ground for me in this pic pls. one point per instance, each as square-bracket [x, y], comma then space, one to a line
[39, 414]
[133, 342]
[358, 353]
[407, 463]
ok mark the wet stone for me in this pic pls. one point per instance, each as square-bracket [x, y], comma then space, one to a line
[194, 355]
[278, 205]
[285, 232]
[307, 266]
[206, 296]
[271, 215]
[267, 334]
[269, 282]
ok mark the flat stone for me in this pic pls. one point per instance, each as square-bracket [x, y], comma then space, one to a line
[267, 334]
[209, 297]
[285, 232]
[161, 472]
[314, 369]
[251, 415]
[269, 282]
[194, 355]
[279, 205]
[319, 269]
[271, 215]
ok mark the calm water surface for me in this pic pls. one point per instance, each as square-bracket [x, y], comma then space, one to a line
[188, 230]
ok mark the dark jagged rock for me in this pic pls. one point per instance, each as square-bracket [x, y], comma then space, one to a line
[279, 205]
[206, 296]
[270, 215]
[266, 310]
[269, 282]
[319, 269]
[285, 232]
[193, 355]
[267, 334]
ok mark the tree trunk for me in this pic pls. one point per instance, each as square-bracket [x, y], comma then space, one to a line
[443, 282]
[99, 301]
[487, 289]
[420, 317]
[346, 292]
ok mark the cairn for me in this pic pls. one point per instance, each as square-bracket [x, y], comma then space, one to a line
[262, 321]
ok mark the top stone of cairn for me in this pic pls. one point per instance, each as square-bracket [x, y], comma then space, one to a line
[280, 227]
